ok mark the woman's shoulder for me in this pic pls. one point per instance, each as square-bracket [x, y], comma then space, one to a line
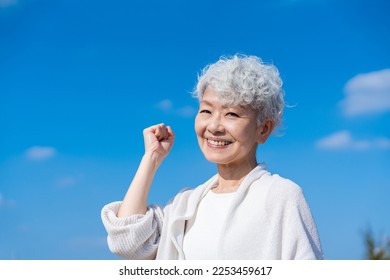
[278, 186]
[189, 196]
[183, 193]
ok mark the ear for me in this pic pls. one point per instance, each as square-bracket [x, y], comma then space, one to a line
[264, 131]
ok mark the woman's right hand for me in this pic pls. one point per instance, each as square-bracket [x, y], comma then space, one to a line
[158, 140]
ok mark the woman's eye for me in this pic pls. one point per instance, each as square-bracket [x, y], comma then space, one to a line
[232, 114]
[204, 112]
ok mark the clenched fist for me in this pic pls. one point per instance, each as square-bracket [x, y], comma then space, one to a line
[158, 141]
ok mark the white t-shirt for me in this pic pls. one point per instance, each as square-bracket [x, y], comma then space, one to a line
[203, 230]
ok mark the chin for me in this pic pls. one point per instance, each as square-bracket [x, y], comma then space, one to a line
[215, 160]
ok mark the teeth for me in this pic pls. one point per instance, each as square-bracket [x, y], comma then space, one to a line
[218, 143]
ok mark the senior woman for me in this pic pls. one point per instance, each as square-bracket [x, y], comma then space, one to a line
[244, 211]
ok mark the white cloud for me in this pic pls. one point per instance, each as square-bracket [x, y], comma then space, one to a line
[85, 243]
[278, 4]
[66, 182]
[186, 111]
[6, 202]
[166, 106]
[382, 143]
[23, 228]
[7, 3]
[367, 93]
[40, 153]
[343, 140]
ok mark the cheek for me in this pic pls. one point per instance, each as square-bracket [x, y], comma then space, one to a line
[242, 133]
[198, 126]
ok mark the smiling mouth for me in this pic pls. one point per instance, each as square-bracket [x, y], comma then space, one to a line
[218, 143]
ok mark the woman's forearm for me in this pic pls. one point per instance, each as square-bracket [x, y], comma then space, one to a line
[135, 200]
[158, 141]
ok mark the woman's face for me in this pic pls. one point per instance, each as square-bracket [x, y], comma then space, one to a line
[227, 135]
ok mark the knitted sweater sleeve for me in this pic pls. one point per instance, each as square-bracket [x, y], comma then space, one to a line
[300, 237]
[135, 237]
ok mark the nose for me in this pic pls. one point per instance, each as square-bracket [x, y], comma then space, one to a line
[215, 125]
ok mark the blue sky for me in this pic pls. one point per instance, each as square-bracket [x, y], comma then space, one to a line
[79, 80]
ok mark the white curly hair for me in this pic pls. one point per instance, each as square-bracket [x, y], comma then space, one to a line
[245, 80]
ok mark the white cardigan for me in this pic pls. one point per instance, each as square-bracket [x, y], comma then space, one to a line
[269, 219]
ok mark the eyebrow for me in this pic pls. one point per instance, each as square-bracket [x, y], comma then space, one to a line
[224, 106]
[206, 102]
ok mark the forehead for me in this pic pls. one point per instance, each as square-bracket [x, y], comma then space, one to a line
[223, 105]
[222, 99]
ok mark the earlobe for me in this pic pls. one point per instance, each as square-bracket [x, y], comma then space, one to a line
[265, 130]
